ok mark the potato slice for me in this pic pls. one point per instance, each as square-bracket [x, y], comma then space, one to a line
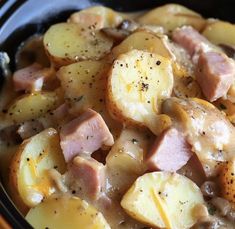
[34, 105]
[66, 212]
[128, 152]
[220, 32]
[163, 200]
[125, 161]
[84, 84]
[138, 83]
[97, 16]
[227, 181]
[143, 41]
[171, 16]
[67, 43]
[208, 131]
[29, 180]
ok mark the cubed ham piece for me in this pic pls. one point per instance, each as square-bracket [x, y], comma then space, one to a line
[85, 134]
[215, 73]
[89, 175]
[169, 152]
[29, 78]
[191, 40]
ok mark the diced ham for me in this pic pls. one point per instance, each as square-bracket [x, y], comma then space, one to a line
[169, 152]
[29, 78]
[94, 21]
[215, 73]
[90, 175]
[191, 40]
[85, 134]
[29, 129]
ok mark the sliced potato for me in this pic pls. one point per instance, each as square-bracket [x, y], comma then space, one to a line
[171, 16]
[142, 41]
[97, 17]
[227, 181]
[34, 105]
[163, 200]
[66, 212]
[125, 161]
[67, 43]
[220, 32]
[138, 83]
[84, 84]
[128, 152]
[208, 131]
[29, 180]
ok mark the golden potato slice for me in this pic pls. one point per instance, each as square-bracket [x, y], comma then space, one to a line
[220, 32]
[227, 181]
[125, 161]
[142, 41]
[171, 16]
[128, 152]
[84, 84]
[66, 212]
[163, 200]
[34, 105]
[67, 43]
[97, 17]
[208, 131]
[29, 180]
[138, 83]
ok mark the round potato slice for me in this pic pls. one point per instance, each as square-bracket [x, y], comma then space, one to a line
[171, 16]
[163, 200]
[66, 212]
[138, 83]
[220, 32]
[67, 43]
[145, 41]
[29, 180]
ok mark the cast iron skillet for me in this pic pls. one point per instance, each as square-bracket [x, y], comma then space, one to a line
[20, 18]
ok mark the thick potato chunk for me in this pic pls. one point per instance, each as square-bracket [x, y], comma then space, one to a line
[220, 33]
[138, 83]
[97, 17]
[84, 84]
[227, 181]
[34, 105]
[29, 180]
[163, 200]
[171, 16]
[67, 43]
[66, 212]
[208, 131]
[143, 41]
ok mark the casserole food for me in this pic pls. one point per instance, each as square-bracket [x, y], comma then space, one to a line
[156, 71]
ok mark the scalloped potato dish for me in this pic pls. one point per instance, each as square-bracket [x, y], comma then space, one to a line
[122, 121]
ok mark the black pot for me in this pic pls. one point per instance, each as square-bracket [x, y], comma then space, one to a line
[20, 19]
